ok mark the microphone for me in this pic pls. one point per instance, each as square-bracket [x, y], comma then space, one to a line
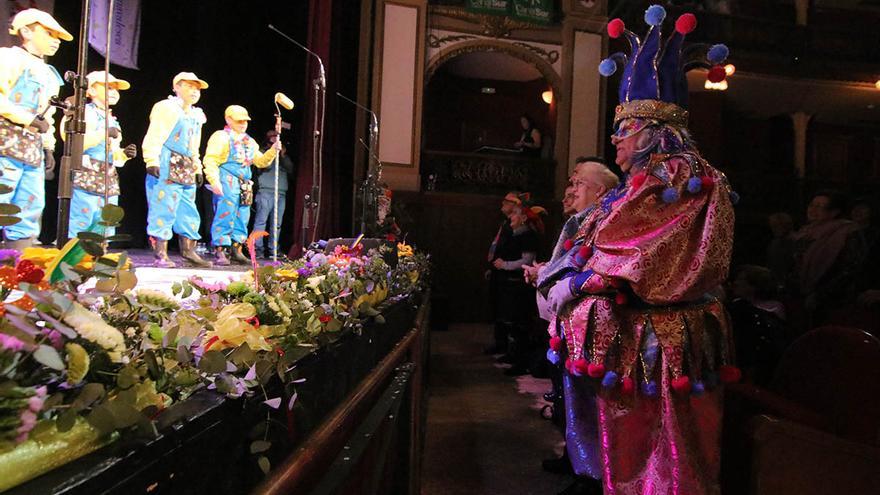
[284, 101]
[322, 79]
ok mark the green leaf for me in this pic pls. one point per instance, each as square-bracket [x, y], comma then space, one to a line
[152, 365]
[102, 419]
[187, 291]
[66, 420]
[90, 393]
[183, 354]
[128, 376]
[264, 464]
[128, 396]
[90, 236]
[213, 362]
[112, 214]
[124, 415]
[123, 259]
[264, 369]
[380, 319]
[176, 288]
[4, 189]
[260, 446]
[9, 209]
[91, 247]
[119, 238]
[242, 355]
[171, 336]
[6, 221]
[48, 356]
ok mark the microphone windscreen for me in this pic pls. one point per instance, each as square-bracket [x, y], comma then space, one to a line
[284, 101]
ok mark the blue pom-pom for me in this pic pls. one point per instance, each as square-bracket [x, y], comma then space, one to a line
[607, 67]
[650, 388]
[698, 388]
[553, 356]
[718, 53]
[695, 185]
[610, 379]
[654, 15]
[734, 197]
[711, 381]
[670, 195]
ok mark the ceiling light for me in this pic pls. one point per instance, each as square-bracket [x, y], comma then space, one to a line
[877, 84]
[547, 96]
[729, 69]
[487, 91]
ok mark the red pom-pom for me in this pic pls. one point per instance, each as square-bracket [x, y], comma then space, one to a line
[681, 385]
[556, 343]
[707, 182]
[620, 299]
[686, 23]
[581, 366]
[569, 365]
[729, 374]
[568, 244]
[638, 179]
[596, 370]
[716, 74]
[627, 385]
[616, 28]
[585, 252]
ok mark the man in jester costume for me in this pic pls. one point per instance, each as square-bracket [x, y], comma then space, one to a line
[174, 170]
[27, 141]
[644, 346]
[95, 178]
[228, 159]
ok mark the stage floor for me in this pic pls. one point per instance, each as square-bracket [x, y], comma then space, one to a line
[150, 277]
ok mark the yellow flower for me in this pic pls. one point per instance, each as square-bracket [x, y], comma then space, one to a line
[231, 329]
[77, 363]
[404, 250]
[39, 256]
[285, 274]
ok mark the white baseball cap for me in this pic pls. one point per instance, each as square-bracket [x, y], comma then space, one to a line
[189, 76]
[97, 77]
[30, 16]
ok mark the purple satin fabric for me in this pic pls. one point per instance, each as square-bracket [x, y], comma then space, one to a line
[581, 426]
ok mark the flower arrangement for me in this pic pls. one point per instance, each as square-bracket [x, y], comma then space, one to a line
[117, 355]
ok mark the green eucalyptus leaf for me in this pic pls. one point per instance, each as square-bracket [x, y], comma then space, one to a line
[260, 446]
[66, 420]
[90, 236]
[213, 362]
[93, 248]
[102, 419]
[112, 214]
[9, 209]
[264, 464]
[48, 356]
[6, 221]
[128, 377]
[90, 393]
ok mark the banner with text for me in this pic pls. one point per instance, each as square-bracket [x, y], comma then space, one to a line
[537, 11]
[126, 32]
[500, 7]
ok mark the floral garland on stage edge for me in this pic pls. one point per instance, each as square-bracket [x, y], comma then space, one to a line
[116, 356]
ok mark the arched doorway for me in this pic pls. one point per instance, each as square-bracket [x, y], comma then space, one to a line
[475, 94]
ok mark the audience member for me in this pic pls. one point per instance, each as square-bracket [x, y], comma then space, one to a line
[759, 320]
[510, 201]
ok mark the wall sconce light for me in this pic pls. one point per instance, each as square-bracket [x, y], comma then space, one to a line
[719, 86]
[877, 84]
[729, 69]
[547, 96]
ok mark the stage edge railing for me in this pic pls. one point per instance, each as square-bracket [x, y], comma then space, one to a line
[304, 468]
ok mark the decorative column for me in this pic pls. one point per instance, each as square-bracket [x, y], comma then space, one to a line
[801, 8]
[800, 121]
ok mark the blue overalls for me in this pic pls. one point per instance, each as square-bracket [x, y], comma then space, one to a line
[172, 206]
[85, 205]
[230, 216]
[27, 181]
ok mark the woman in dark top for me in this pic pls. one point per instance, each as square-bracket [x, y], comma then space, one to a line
[530, 141]
[515, 298]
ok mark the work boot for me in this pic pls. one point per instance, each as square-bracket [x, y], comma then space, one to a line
[188, 252]
[220, 256]
[160, 251]
[237, 255]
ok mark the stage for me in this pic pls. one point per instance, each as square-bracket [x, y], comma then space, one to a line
[150, 277]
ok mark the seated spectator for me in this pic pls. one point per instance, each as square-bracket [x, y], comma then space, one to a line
[829, 251]
[759, 320]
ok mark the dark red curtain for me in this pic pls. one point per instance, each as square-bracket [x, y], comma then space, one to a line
[333, 34]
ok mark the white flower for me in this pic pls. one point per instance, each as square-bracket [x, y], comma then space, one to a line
[93, 328]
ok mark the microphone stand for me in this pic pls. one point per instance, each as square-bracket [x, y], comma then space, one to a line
[277, 166]
[369, 188]
[75, 129]
[108, 153]
[312, 200]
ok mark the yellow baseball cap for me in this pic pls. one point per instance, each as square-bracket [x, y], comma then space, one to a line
[30, 16]
[237, 112]
[189, 76]
[97, 77]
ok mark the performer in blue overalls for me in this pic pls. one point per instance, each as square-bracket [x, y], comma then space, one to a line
[228, 160]
[174, 171]
[96, 173]
[27, 83]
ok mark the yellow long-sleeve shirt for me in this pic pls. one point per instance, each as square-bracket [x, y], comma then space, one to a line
[217, 153]
[95, 134]
[163, 118]
[14, 61]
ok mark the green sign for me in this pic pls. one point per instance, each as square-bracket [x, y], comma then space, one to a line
[537, 11]
[489, 6]
[534, 11]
